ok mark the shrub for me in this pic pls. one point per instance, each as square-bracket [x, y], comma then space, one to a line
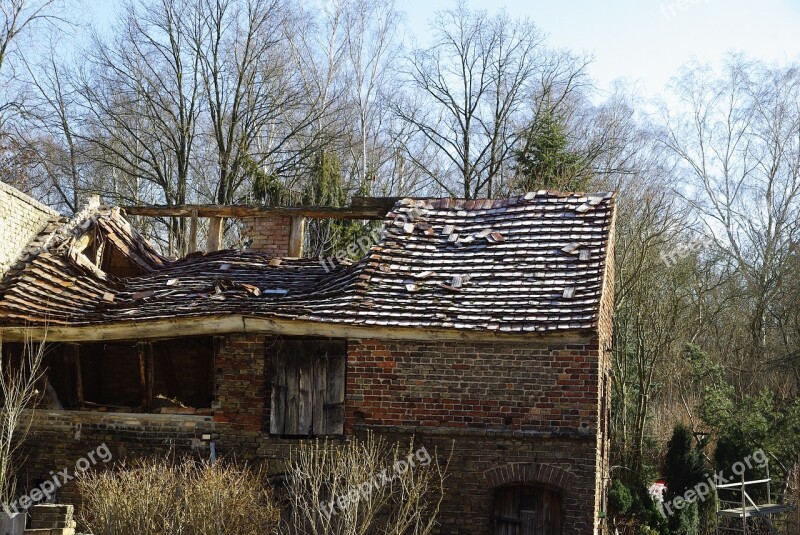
[620, 498]
[362, 487]
[155, 497]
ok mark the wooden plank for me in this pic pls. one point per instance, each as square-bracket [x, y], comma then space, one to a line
[335, 388]
[242, 210]
[150, 375]
[291, 424]
[142, 374]
[76, 366]
[215, 227]
[192, 245]
[145, 351]
[236, 323]
[278, 399]
[305, 388]
[297, 236]
[320, 365]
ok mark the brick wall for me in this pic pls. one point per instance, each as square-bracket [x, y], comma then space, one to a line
[269, 234]
[605, 330]
[509, 413]
[57, 440]
[473, 385]
[500, 403]
[241, 392]
[481, 461]
[21, 218]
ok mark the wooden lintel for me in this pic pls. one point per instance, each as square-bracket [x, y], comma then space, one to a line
[245, 210]
[215, 227]
[233, 324]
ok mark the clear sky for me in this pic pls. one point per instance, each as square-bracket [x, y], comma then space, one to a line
[648, 40]
[642, 41]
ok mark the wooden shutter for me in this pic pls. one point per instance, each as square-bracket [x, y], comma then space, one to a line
[333, 402]
[278, 400]
[308, 387]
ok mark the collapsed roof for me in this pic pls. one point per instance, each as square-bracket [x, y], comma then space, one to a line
[535, 263]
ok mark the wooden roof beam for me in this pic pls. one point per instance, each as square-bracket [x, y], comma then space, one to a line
[246, 210]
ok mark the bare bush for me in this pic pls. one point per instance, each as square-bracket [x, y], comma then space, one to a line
[156, 496]
[19, 377]
[363, 487]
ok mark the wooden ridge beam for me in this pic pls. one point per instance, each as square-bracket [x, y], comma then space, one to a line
[248, 210]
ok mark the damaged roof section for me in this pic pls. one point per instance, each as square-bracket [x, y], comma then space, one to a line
[67, 270]
[533, 263]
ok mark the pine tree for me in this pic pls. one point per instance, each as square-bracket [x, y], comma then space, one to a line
[683, 470]
[545, 160]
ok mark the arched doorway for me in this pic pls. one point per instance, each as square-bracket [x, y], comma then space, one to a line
[526, 510]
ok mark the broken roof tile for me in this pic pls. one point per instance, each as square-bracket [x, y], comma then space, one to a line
[520, 280]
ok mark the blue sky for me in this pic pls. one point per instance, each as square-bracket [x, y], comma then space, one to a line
[642, 41]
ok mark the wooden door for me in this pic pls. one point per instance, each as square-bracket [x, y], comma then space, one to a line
[527, 510]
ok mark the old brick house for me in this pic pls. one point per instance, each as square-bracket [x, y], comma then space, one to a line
[485, 324]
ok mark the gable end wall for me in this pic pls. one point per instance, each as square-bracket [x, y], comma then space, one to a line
[21, 218]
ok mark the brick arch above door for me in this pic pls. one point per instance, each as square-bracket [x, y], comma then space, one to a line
[530, 474]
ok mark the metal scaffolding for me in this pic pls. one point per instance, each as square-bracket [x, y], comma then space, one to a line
[741, 514]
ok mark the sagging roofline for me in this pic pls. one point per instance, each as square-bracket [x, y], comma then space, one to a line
[240, 324]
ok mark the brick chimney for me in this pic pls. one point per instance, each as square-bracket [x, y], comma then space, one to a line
[276, 235]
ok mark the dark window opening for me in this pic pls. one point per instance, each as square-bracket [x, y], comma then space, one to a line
[526, 510]
[184, 372]
[308, 382]
[109, 374]
[164, 376]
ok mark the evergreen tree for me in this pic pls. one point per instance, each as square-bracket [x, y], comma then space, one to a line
[545, 160]
[326, 187]
[683, 469]
[267, 188]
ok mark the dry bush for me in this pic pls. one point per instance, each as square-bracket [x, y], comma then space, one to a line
[19, 376]
[362, 487]
[155, 497]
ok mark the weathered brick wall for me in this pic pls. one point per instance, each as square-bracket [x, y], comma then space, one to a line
[545, 397]
[493, 404]
[473, 385]
[483, 460]
[241, 394]
[269, 234]
[57, 440]
[605, 338]
[21, 218]
[510, 413]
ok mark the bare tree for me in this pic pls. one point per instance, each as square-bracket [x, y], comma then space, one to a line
[143, 99]
[371, 50]
[256, 109]
[482, 79]
[50, 130]
[737, 138]
[16, 18]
